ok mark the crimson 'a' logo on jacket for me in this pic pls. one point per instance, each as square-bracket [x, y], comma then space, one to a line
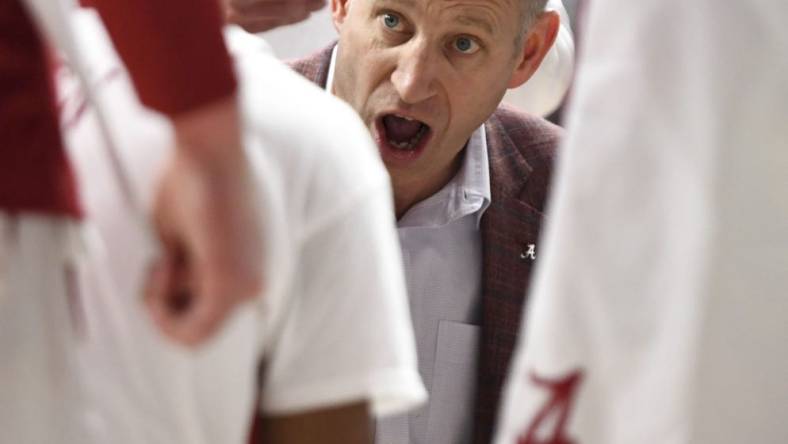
[558, 405]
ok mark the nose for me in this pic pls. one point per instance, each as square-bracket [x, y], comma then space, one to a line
[415, 77]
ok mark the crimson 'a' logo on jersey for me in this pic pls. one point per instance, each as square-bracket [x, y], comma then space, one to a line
[73, 102]
[558, 407]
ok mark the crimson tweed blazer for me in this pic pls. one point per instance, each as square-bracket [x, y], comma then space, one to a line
[521, 152]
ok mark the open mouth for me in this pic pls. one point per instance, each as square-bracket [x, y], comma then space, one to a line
[402, 135]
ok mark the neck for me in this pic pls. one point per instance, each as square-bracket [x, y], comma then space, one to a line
[408, 191]
[404, 200]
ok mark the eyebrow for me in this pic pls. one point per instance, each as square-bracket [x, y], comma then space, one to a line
[474, 22]
[465, 20]
[410, 3]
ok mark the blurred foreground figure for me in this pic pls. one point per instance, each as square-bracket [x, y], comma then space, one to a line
[41, 217]
[205, 213]
[331, 333]
[660, 312]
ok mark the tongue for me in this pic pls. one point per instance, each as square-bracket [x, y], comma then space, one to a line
[399, 129]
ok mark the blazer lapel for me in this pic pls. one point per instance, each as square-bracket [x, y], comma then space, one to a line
[510, 227]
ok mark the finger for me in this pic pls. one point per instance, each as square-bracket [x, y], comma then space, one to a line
[206, 314]
[290, 12]
[268, 9]
[180, 291]
[219, 292]
[298, 15]
[250, 3]
[156, 292]
[315, 5]
[170, 294]
[257, 25]
[263, 16]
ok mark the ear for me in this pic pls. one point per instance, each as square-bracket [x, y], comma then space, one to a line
[536, 43]
[339, 11]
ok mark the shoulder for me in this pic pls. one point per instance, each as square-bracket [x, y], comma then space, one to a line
[314, 67]
[522, 146]
[534, 137]
[316, 144]
[298, 116]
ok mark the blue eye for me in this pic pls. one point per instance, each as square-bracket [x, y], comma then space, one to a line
[466, 45]
[391, 21]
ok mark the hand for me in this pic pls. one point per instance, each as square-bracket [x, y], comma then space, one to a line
[208, 221]
[263, 15]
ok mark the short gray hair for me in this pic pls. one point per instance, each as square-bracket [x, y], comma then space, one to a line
[530, 10]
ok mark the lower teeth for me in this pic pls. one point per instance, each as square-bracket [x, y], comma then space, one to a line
[402, 145]
[411, 144]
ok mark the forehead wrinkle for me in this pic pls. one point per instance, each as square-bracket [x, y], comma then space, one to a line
[476, 22]
[481, 14]
[406, 3]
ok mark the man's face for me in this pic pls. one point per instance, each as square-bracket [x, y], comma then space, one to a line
[423, 75]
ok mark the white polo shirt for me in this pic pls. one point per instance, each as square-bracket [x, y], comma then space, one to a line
[332, 325]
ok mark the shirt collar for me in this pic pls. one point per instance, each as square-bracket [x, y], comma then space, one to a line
[330, 77]
[477, 183]
[467, 193]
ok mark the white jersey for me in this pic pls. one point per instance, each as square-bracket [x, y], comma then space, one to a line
[659, 313]
[41, 400]
[332, 325]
